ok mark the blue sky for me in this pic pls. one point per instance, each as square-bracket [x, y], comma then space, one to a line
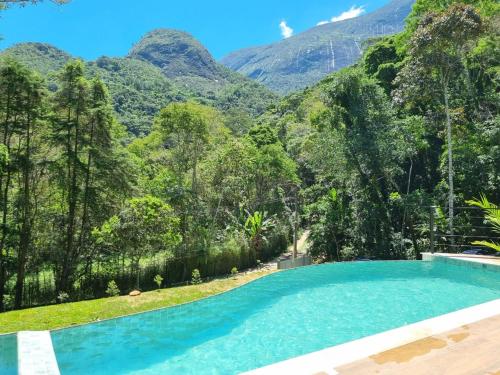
[92, 28]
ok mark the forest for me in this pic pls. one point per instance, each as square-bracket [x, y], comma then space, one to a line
[361, 156]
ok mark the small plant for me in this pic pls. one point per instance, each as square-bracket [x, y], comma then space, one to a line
[491, 216]
[112, 290]
[259, 263]
[234, 272]
[196, 277]
[62, 297]
[8, 301]
[158, 280]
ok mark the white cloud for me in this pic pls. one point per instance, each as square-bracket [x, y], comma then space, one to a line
[353, 12]
[286, 31]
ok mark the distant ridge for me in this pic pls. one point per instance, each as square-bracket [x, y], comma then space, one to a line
[164, 66]
[304, 59]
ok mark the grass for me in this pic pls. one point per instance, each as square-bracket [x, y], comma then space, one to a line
[68, 314]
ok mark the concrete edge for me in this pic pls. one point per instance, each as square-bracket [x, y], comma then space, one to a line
[35, 353]
[327, 360]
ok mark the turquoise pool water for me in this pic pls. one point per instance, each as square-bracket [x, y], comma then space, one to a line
[8, 355]
[275, 318]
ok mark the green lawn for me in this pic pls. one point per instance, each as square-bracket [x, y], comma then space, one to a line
[68, 314]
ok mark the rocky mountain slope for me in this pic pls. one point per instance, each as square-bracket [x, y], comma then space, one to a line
[305, 58]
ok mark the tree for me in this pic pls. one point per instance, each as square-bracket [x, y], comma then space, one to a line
[22, 108]
[145, 226]
[436, 54]
[88, 166]
[185, 129]
[26, 2]
[71, 110]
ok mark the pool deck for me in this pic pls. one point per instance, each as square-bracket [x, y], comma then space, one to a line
[462, 342]
[472, 349]
[484, 259]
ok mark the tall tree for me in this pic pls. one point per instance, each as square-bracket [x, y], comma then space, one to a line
[34, 95]
[435, 60]
[88, 166]
[21, 105]
[71, 109]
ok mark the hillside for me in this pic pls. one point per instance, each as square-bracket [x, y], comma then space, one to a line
[164, 66]
[306, 58]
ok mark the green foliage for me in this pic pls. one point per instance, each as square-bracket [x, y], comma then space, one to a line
[362, 155]
[196, 277]
[262, 135]
[491, 216]
[112, 290]
[62, 297]
[158, 71]
[158, 280]
[145, 226]
[234, 271]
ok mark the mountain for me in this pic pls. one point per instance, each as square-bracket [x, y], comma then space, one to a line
[304, 59]
[177, 54]
[164, 66]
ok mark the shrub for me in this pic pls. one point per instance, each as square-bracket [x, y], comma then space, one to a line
[112, 290]
[348, 252]
[234, 272]
[158, 280]
[196, 277]
[62, 297]
[8, 301]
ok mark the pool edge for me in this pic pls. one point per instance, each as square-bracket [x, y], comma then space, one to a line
[325, 361]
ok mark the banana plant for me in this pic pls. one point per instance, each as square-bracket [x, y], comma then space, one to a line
[491, 215]
[256, 227]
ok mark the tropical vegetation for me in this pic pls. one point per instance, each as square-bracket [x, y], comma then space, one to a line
[94, 203]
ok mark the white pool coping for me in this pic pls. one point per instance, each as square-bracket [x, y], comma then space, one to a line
[35, 354]
[327, 360]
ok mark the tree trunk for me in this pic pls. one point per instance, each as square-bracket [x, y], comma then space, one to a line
[88, 167]
[25, 235]
[451, 195]
[3, 270]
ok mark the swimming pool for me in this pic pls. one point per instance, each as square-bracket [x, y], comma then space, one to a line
[281, 316]
[8, 355]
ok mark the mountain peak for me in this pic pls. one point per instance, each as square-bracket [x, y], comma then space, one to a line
[176, 52]
[43, 57]
[305, 58]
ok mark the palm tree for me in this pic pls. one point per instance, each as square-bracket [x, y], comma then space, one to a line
[491, 215]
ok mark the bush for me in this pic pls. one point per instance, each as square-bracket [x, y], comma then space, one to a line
[158, 280]
[348, 252]
[8, 301]
[196, 277]
[112, 290]
[234, 272]
[62, 297]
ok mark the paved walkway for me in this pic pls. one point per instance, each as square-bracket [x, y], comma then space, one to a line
[473, 349]
[302, 245]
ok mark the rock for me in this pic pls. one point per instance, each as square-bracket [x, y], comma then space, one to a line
[135, 293]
